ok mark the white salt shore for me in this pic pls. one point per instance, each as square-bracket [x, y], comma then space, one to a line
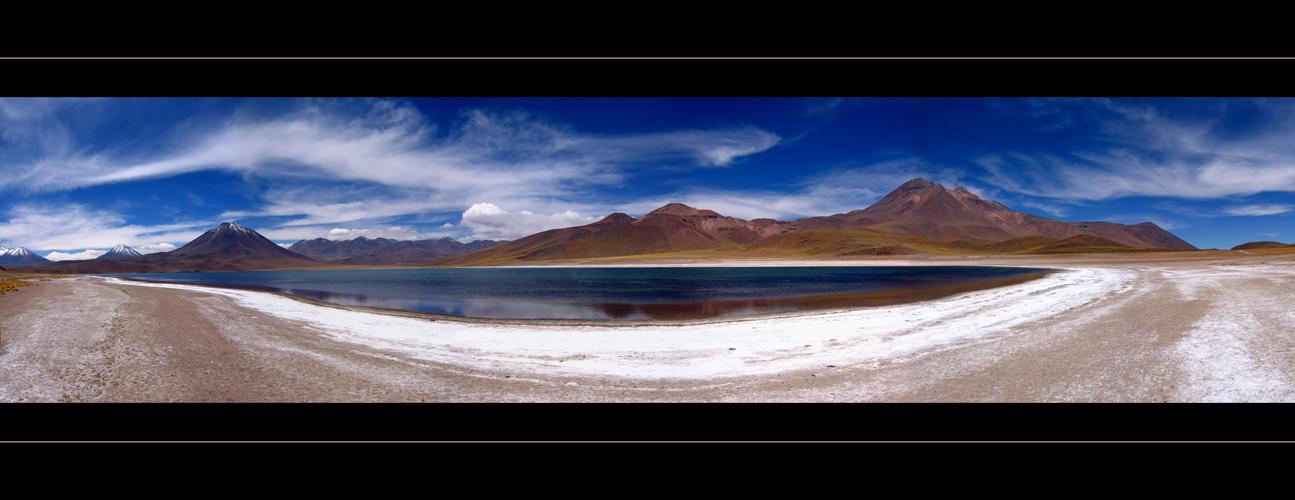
[1142, 328]
[740, 347]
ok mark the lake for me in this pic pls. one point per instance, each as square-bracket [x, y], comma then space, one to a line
[676, 293]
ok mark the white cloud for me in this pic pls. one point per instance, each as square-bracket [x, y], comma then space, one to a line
[84, 255]
[1052, 208]
[160, 247]
[835, 191]
[77, 227]
[489, 222]
[1144, 151]
[393, 144]
[822, 106]
[284, 245]
[296, 233]
[361, 164]
[446, 225]
[1268, 209]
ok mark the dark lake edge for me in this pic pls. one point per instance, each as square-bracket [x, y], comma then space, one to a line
[707, 312]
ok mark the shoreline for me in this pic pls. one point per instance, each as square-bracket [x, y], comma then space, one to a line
[809, 304]
[697, 349]
[1177, 330]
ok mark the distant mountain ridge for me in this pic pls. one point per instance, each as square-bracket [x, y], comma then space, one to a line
[917, 213]
[1255, 245]
[674, 227]
[228, 247]
[363, 251]
[928, 210]
[918, 217]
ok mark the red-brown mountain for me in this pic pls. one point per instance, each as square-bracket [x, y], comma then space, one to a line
[929, 210]
[228, 247]
[917, 210]
[673, 228]
[1254, 245]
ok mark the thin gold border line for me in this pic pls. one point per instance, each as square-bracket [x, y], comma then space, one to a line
[648, 58]
[638, 442]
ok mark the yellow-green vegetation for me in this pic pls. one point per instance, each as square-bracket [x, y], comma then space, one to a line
[11, 284]
[1273, 251]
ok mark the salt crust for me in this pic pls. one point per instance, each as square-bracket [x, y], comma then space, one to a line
[742, 347]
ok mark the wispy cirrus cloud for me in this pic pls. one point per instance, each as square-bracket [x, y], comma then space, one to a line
[363, 164]
[1261, 209]
[1147, 149]
[836, 190]
[72, 227]
[392, 143]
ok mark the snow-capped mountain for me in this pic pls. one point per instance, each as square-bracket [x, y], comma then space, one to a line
[120, 251]
[21, 256]
[229, 247]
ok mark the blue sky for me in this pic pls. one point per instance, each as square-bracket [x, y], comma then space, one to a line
[79, 176]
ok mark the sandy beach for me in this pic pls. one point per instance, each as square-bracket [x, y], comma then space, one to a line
[1192, 326]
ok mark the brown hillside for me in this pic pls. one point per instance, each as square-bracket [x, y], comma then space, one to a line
[919, 216]
[928, 210]
[672, 228]
[1254, 245]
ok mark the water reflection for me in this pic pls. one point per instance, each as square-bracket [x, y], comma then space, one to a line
[616, 294]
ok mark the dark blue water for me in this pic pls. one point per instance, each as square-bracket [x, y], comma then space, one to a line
[610, 293]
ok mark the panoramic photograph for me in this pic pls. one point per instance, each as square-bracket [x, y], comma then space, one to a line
[647, 250]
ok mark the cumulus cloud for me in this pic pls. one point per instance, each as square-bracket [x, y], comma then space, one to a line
[84, 255]
[155, 248]
[1266, 209]
[490, 222]
[446, 225]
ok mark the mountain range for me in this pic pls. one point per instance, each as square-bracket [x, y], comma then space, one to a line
[228, 247]
[918, 217]
[363, 251]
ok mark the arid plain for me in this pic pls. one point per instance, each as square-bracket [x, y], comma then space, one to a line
[1151, 327]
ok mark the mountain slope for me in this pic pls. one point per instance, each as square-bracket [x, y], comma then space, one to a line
[917, 217]
[1256, 245]
[228, 247]
[21, 256]
[928, 210]
[670, 229]
[120, 251]
[362, 251]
